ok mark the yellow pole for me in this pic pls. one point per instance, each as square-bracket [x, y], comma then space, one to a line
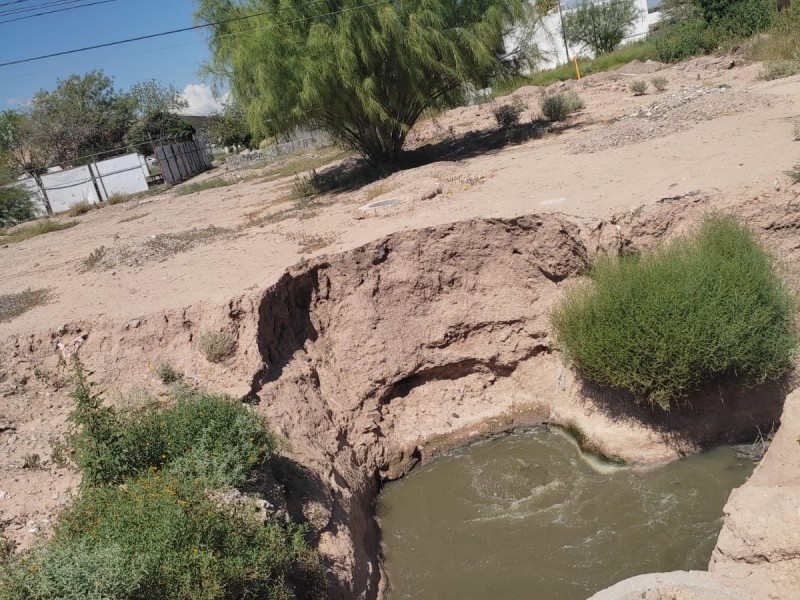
[577, 70]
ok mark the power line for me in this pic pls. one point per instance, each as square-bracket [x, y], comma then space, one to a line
[194, 28]
[58, 10]
[14, 2]
[47, 4]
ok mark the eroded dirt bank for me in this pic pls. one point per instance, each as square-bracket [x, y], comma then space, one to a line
[372, 360]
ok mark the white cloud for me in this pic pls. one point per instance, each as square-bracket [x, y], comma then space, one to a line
[16, 102]
[201, 100]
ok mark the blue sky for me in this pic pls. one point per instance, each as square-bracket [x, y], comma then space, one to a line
[171, 59]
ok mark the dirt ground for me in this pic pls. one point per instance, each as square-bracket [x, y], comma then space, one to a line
[716, 132]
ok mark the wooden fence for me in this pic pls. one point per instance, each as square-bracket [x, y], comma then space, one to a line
[181, 160]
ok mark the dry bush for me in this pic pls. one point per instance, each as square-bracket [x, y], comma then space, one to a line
[639, 87]
[216, 346]
[81, 208]
[557, 107]
[660, 83]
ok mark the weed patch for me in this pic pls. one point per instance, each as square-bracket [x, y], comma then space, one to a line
[14, 305]
[794, 173]
[666, 323]
[20, 234]
[135, 217]
[312, 243]
[118, 199]
[199, 186]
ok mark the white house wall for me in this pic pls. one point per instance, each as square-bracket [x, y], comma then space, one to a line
[550, 43]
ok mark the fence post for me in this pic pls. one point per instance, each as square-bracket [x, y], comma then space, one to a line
[100, 177]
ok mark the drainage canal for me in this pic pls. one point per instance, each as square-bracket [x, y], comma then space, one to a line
[529, 516]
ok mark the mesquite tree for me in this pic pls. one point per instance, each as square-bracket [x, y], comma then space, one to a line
[600, 26]
[363, 70]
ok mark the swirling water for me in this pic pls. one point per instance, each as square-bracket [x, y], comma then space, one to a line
[529, 516]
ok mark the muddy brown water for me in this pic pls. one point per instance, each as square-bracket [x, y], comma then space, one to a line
[528, 516]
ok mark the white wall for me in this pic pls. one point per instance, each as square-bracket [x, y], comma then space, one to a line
[69, 187]
[119, 175]
[550, 42]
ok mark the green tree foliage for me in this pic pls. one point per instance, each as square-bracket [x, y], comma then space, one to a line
[600, 26]
[156, 126]
[16, 206]
[150, 96]
[665, 323]
[364, 72]
[83, 115]
[18, 150]
[231, 129]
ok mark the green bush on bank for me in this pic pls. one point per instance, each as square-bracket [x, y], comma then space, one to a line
[150, 522]
[665, 323]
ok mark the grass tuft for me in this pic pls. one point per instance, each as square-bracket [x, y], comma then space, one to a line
[794, 173]
[199, 186]
[20, 234]
[81, 208]
[664, 324]
[14, 305]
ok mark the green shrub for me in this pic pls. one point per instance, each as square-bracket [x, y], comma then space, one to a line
[684, 40]
[163, 537]
[201, 436]
[794, 173]
[660, 83]
[557, 107]
[664, 324]
[742, 18]
[638, 87]
[78, 571]
[16, 206]
[148, 523]
[216, 346]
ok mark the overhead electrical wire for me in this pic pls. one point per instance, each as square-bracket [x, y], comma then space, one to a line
[195, 28]
[58, 10]
[48, 4]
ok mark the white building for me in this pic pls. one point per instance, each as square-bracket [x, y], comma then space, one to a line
[548, 39]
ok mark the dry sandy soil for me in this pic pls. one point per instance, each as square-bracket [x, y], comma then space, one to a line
[625, 171]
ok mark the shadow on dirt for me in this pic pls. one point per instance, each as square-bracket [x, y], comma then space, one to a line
[355, 173]
[721, 413]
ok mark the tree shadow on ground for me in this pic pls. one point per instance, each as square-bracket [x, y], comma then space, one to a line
[722, 412]
[353, 174]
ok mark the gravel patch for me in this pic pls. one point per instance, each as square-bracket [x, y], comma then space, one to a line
[672, 113]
